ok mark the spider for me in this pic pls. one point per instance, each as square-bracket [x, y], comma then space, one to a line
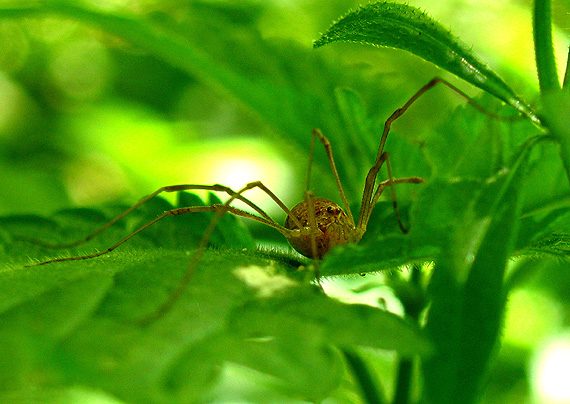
[313, 227]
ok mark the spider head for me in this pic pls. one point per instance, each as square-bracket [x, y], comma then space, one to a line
[333, 227]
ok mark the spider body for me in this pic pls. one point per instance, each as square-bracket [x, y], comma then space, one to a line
[332, 228]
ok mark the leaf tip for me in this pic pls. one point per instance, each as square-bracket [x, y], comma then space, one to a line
[317, 43]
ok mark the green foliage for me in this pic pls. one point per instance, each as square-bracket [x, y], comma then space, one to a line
[496, 195]
[80, 321]
[405, 27]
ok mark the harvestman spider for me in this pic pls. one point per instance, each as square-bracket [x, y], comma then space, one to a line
[312, 227]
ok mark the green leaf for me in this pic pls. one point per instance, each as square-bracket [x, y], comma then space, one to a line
[340, 322]
[467, 289]
[38, 324]
[555, 244]
[152, 364]
[368, 386]
[357, 124]
[405, 27]
[80, 320]
[482, 146]
[477, 139]
[378, 254]
[290, 318]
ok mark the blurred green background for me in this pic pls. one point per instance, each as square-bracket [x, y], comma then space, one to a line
[87, 118]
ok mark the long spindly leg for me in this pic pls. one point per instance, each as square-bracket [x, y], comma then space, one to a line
[220, 211]
[171, 188]
[91, 236]
[368, 204]
[262, 218]
[369, 196]
[172, 212]
[310, 197]
[390, 182]
[310, 201]
[432, 83]
[328, 149]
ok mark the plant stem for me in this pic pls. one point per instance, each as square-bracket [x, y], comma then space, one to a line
[403, 383]
[405, 367]
[543, 47]
[555, 106]
[370, 393]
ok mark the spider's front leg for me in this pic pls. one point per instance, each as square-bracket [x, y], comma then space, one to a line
[261, 216]
[370, 195]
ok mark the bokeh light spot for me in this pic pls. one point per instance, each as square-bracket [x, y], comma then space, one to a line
[531, 316]
[81, 69]
[550, 371]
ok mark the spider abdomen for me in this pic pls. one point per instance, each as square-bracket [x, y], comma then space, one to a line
[333, 227]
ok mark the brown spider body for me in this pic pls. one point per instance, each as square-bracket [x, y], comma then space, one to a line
[333, 228]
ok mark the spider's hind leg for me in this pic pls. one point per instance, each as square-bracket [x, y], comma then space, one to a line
[310, 200]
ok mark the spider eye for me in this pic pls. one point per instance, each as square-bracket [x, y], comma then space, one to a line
[333, 210]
